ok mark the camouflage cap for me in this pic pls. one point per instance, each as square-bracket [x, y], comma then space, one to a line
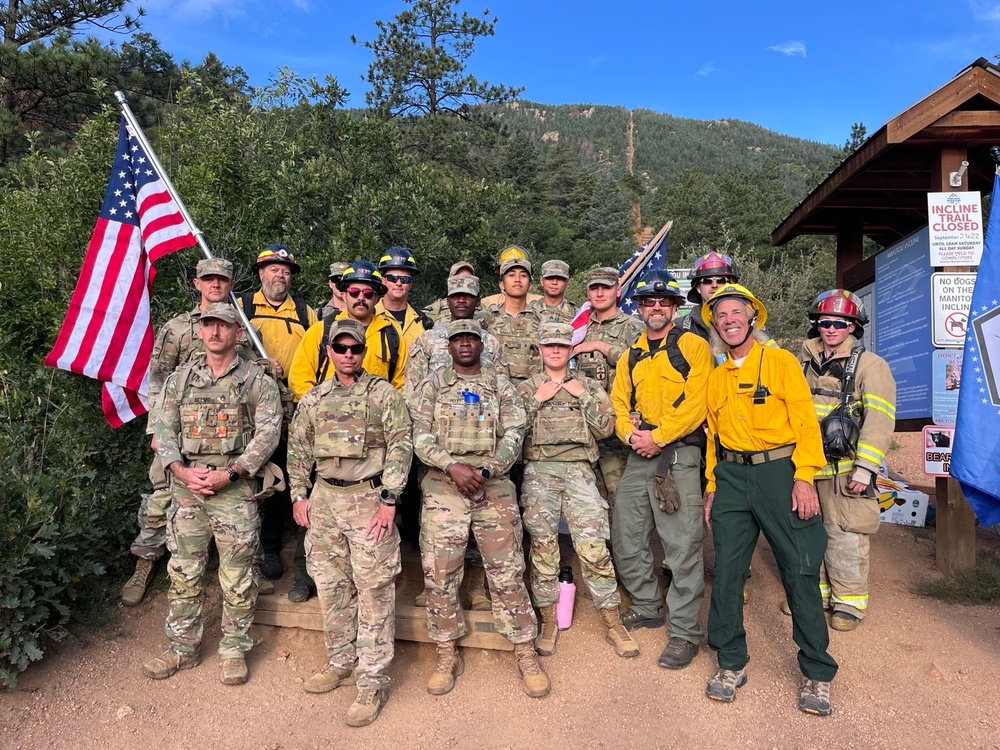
[463, 285]
[456, 267]
[221, 311]
[337, 270]
[557, 268]
[555, 333]
[515, 263]
[214, 267]
[347, 326]
[604, 276]
[455, 327]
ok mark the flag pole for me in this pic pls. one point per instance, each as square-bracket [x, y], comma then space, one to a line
[144, 142]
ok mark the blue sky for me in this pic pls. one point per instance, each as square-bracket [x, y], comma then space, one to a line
[800, 68]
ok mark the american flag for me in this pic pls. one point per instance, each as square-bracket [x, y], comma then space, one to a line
[656, 259]
[108, 333]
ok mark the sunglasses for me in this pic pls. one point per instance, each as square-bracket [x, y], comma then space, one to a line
[839, 325]
[392, 278]
[354, 349]
[654, 301]
[366, 293]
[714, 280]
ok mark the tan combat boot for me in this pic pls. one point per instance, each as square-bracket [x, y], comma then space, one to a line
[264, 586]
[366, 707]
[449, 666]
[169, 663]
[135, 588]
[547, 639]
[478, 598]
[625, 645]
[534, 681]
[328, 679]
[234, 671]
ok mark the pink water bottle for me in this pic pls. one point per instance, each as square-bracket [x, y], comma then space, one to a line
[567, 596]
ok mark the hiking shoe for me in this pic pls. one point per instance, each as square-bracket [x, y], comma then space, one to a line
[785, 608]
[328, 679]
[814, 697]
[548, 635]
[234, 671]
[135, 588]
[534, 681]
[271, 567]
[366, 707]
[844, 621]
[722, 687]
[300, 591]
[633, 619]
[678, 653]
[450, 665]
[169, 663]
[617, 635]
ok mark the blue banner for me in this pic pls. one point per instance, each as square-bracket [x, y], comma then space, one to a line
[975, 459]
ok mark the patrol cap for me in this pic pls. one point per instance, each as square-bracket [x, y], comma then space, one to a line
[463, 285]
[515, 263]
[604, 276]
[214, 267]
[555, 268]
[555, 333]
[337, 270]
[456, 267]
[221, 311]
[455, 327]
[348, 326]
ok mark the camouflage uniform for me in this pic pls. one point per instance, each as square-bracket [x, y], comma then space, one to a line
[446, 430]
[620, 331]
[518, 334]
[195, 423]
[564, 312]
[430, 352]
[559, 448]
[352, 434]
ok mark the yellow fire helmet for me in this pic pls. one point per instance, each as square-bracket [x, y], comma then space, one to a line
[734, 291]
[512, 252]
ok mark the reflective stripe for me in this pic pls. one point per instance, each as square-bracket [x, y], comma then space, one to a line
[879, 404]
[858, 601]
[824, 409]
[870, 453]
[844, 465]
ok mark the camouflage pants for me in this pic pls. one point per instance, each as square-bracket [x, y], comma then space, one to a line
[849, 521]
[355, 580]
[568, 488]
[611, 462]
[446, 517]
[230, 516]
[152, 540]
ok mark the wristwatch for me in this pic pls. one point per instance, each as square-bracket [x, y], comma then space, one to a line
[388, 499]
[234, 476]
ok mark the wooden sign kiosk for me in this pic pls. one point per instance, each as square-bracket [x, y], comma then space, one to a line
[880, 192]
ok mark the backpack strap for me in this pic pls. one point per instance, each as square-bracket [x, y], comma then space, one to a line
[302, 312]
[390, 349]
[427, 320]
[677, 360]
[323, 362]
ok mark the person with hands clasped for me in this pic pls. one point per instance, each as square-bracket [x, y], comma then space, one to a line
[354, 430]
[764, 448]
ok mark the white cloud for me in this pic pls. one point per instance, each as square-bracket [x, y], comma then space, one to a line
[706, 69]
[791, 48]
[984, 10]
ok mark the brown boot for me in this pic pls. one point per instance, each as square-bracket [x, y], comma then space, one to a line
[135, 588]
[234, 671]
[478, 598]
[169, 663]
[547, 639]
[449, 666]
[534, 681]
[264, 586]
[625, 645]
[421, 600]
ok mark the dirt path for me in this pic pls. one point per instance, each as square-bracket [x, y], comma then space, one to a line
[917, 674]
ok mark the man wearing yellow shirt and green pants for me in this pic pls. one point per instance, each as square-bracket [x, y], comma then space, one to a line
[764, 447]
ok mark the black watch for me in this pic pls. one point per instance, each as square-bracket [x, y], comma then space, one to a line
[388, 498]
[234, 476]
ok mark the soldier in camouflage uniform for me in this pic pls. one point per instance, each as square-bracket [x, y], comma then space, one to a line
[438, 309]
[338, 301]
[468, 426]
[175, 342]
[610, 332]
[514, 323]
[354, 430]
[553, 305]
[218, 422]
[567, 414]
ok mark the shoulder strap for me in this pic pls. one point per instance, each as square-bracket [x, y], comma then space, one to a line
[322, 362]
[426, 319]
[847, 387]
[246, 300]
[677, 360]
[302, 312]
[390, 349]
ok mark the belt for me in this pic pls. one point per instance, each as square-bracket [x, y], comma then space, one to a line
[758, 457]
[375, 481]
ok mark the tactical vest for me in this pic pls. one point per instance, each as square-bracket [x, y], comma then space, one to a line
[517, 333]
[214, 417]
[560, 432]
[344, 432]
[596, 367]
[467, 429]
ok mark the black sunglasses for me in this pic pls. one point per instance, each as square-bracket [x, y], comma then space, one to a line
[840, 325]
[366, 293]
[653, 301]
[354, 349]
[392, 278]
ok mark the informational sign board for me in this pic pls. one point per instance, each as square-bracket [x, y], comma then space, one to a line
[951, 295]
[867, 295]
[947, 378]
[937, 450]
[903, 322]
[683, 276]
[956, 228]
